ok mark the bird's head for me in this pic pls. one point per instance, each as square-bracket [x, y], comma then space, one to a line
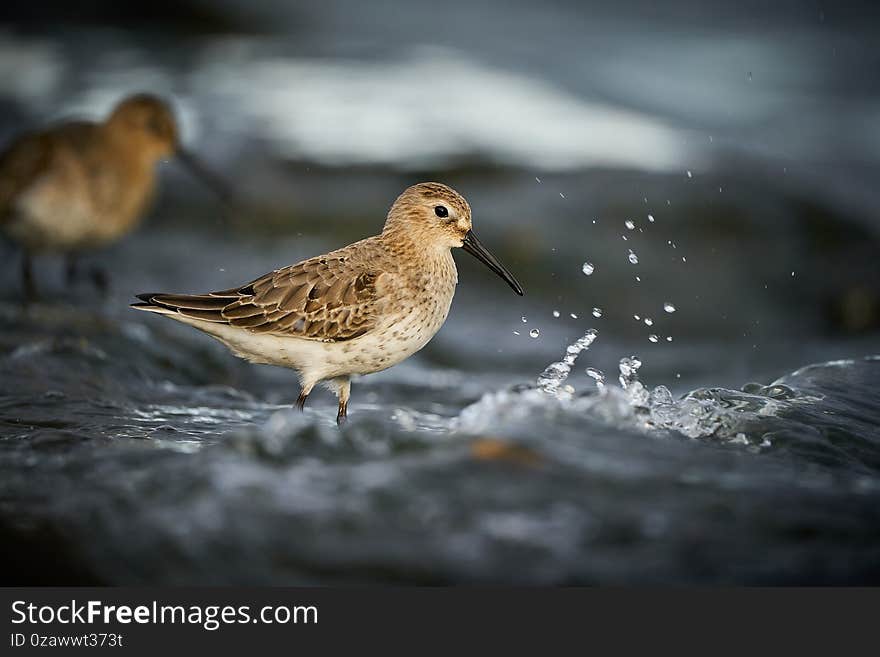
[146, 124]
[434, 214]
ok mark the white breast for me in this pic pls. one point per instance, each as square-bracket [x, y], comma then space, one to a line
[48, 217]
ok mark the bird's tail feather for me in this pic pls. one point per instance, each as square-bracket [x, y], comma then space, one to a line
[206, 307]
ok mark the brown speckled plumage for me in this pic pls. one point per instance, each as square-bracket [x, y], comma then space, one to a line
[356, 310]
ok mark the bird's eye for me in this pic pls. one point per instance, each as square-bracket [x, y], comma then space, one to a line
[441, 211]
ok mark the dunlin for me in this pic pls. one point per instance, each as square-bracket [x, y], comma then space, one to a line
[357, 310]
[78, 185]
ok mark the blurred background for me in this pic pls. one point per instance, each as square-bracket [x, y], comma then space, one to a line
[750, 133]
[719, 158]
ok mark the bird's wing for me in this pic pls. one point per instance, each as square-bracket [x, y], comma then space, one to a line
[30, 156]
[21, 164]
[331, 298]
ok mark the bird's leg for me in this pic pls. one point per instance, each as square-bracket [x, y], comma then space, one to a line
[343, 390]
[100, 279]
[71, 270]
[27, 278]
[303, 395]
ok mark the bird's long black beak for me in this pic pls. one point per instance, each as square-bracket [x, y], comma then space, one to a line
[211, 180]
[473, 246]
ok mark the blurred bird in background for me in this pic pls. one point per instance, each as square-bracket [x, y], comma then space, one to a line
[79, 186]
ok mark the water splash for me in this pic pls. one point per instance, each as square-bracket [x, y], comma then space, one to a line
[598, 376]
[633, 258]
[668, 307]
[629, 381]
[555, 374]
[588, 268]
[718, 415]
[597, 312]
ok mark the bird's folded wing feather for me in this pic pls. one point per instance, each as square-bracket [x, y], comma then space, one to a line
[330, 298]
[29, 157]
[21, 163]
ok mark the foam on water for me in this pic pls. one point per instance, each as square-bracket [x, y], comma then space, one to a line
[715, 414]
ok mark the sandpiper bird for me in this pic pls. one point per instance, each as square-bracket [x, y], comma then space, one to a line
[357, 310]
[80, 185]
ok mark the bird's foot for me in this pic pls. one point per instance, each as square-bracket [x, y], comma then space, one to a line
[28, 286]
[71, 272]
[342, 414]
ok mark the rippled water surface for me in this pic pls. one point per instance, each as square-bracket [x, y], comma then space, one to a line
[124, 461]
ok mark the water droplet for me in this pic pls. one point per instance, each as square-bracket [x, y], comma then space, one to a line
[537, 179]
[690, 175]
[588, 268]
[637, 318]
[573, 315]
[630, 224]
[683, 259]
[598, 376]
[524, 320]
[668, 307]
[516, 332]
[624, 238]
[649, 321]
[633, 258]
[597, 312]
[792, 273]
[629, 380]
[668, 338]
[638, 279]
[653, 338]
[651, 218]
[556, 313]
[561, 195]
[534, 333]
[750, 76]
